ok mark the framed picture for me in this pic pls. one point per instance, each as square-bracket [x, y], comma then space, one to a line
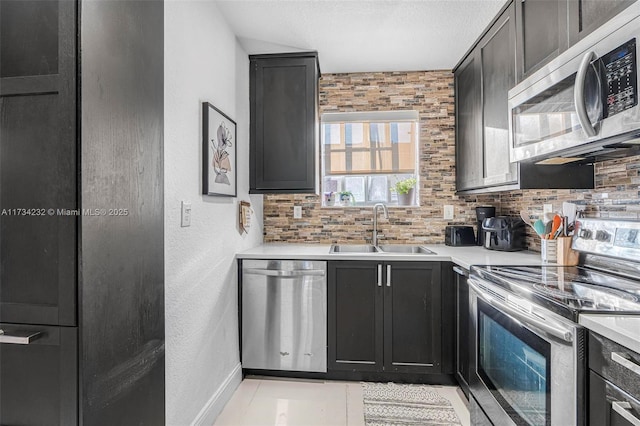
[219, 159]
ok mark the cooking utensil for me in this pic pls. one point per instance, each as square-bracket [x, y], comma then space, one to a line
[526, 217]
[555, 226]
[548, 227]
[548, 217]
[538, 225]
[569, 210]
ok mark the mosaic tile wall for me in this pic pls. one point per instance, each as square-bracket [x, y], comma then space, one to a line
[431, 94]
[617, 194]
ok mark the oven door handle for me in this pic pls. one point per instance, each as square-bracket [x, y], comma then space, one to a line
[559, 332]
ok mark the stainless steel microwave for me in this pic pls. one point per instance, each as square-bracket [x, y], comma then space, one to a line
[583, 106]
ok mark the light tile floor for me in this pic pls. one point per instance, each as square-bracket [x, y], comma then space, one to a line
[291, 402]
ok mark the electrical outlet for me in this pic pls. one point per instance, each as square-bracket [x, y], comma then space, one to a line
[186, 214]
[297, 212]
[547, 208]
[448, 212]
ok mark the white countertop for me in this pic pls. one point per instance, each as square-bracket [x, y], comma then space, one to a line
[462, 256]
[622, 329]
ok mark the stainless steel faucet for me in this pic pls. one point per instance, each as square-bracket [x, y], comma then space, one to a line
[374, 240]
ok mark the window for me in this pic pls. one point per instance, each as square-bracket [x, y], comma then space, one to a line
[365, 154]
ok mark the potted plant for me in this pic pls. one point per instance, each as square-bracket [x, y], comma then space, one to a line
[345, 198]
[405, 189]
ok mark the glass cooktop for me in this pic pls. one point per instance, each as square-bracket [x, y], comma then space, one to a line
[567, 290]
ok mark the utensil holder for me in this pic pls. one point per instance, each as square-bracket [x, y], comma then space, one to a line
[548, 252]
[566, 256]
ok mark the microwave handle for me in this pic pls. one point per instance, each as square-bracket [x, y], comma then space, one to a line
[578, 94]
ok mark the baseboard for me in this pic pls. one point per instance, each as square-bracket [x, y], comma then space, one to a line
[212, 409]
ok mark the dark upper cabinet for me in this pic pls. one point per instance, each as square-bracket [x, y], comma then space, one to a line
[587, 15]
[482, 82]
[387, 317]
[496, 53]
[284, 131]
[469, 158]
[541, 33]
[38, 162]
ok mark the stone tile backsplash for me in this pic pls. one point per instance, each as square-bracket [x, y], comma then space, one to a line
[431, 94]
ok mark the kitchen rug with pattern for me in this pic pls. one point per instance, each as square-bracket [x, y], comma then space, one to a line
[391, 404]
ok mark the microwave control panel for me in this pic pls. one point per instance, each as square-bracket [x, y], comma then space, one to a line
[620, 74]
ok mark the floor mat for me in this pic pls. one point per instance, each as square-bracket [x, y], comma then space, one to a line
[390, 404]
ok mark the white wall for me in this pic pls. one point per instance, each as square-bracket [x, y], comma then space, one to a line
[203, 62]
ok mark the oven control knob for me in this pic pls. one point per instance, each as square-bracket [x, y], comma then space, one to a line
[603, 236]
[585, 234]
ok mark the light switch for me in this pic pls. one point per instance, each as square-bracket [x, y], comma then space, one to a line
[547, 208]
[186, 214]
[448, 212]
[297, 212]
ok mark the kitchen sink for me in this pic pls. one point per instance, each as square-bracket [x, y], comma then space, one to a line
[404, 249]
[353, 248]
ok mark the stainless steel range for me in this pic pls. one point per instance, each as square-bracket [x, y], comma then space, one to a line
[528, 352]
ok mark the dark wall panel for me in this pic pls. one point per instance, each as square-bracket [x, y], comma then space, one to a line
[122, 292]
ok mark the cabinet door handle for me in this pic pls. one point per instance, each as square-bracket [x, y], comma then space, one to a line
[458, 270]
[19, 338]
[622, 408]
[379, 274]
[623, 360]
[388, 275]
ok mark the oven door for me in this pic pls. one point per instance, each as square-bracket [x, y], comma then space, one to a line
[525, 369]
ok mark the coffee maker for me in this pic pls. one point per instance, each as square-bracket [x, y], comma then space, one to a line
[481, 214]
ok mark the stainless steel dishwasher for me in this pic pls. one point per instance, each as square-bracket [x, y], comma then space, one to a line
[284, 315]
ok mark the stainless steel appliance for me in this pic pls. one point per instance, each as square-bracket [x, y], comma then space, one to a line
[528, 350]
[584, 104]
[458, 235]
[503, 233]
[483, 213]
[284, 315]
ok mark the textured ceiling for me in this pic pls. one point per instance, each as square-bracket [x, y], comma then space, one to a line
[363, 35]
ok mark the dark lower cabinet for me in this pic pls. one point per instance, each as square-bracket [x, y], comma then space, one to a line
[463, 330]
[39, 380]
[412, 317]
[387, 317]
[610, 405]
[355, 316]
[614, 383]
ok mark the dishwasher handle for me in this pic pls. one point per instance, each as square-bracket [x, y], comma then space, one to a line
[458, 270]
[284, 273]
